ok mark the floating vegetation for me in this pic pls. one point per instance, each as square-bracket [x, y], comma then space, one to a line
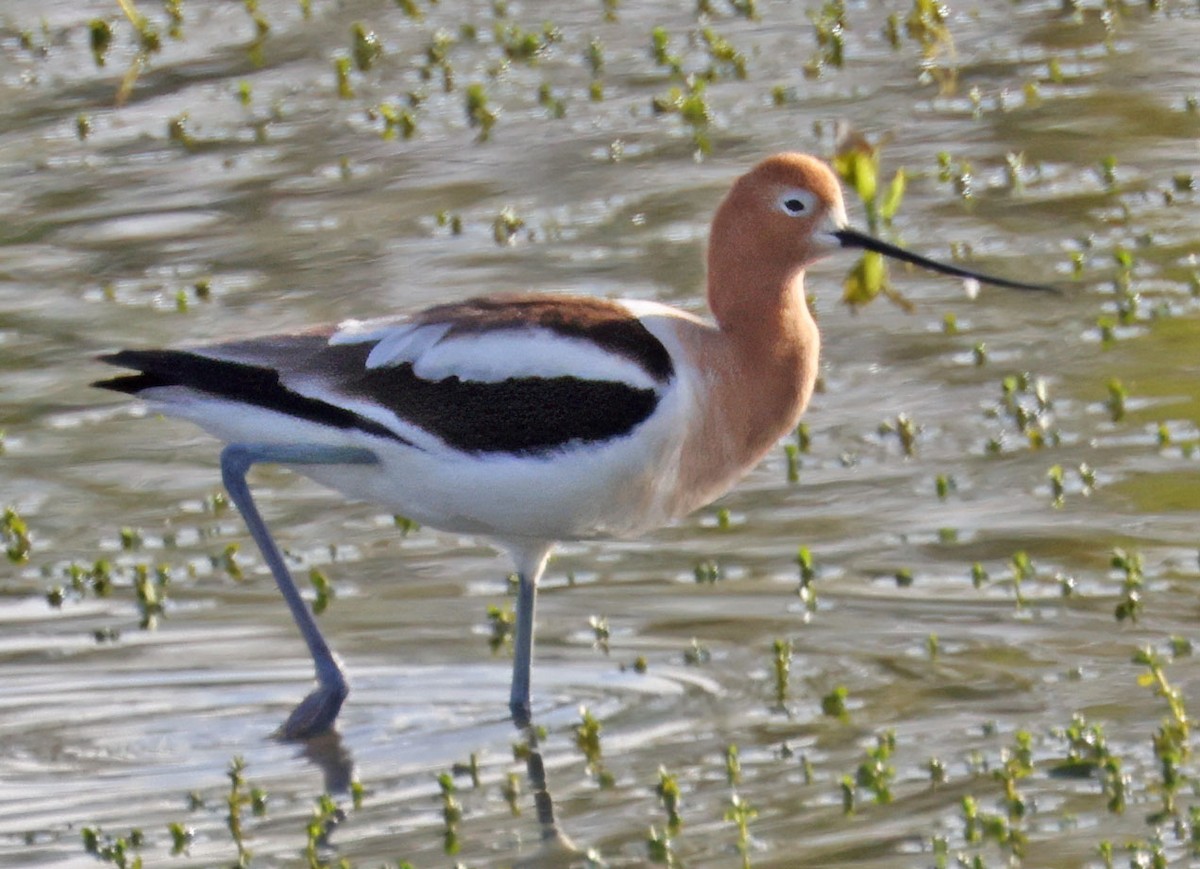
[100, 35]
[708, 571]
[905, 430]
[526, 46]
[178, 132]
[740, 813]
[833, 704]
[857, 164]
[121, 851]
[323, 590]
[452, 812]
[1117, 397]
[926, 25]
[14, 534]
[1027, 785]
[690, 104]
[781, 664]
[1129, 565]
[724, 59]
[876, 772]
[829, 29]
[366, 48]
[554, 106]
[479, 114]
[341, 71]
[808, 574]
[660, 50]
[600, 629]
[587, 740]
[503, 623]
[506, 226]
[594, 58]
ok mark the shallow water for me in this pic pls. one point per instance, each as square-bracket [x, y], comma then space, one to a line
[295, 210]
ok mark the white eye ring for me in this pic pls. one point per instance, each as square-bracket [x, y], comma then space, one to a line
[797, 203]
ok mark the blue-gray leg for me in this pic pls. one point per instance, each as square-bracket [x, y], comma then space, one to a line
[530, 562]
[316, 713]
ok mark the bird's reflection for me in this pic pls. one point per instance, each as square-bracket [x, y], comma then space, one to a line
[535, 768]
[555, 849]
[329, 754]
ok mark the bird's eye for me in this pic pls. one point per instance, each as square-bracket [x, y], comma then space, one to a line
[796, 203]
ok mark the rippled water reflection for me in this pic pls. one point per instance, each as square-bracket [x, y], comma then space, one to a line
[1076, 133]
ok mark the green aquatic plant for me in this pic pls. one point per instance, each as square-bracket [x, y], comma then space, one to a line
[151, 591]
[480, 115]
[740, 813]
[1172, 740]
[14, 534]
[411, 9]
[1057, 486]
[239, 797]
[120, 851]
[341, 71]
[781, 665]
[593, 56]
[325, 817]
[365, 48]
[670, 795]
[555, 106]
[506, 225]
[733, 765]
[691, 105]
[1117, 396]
[1022, 570]
[100, 37]
[829, 30]
[926, 24]
[587, 740]
[437, 60]
[323, 590]
[724, 58]
[857, 163]
[1129, 564]
[470, 769]
[875, 772]
[791, 454]
[452, 812]
[807, 591]
[502, 622]
[708, 571]
[660, 50]
[600, 630]
[526, 46]
[905, 431]
[396, 120]
[833, 704]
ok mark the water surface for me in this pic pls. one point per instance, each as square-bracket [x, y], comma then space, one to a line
[1076, 128]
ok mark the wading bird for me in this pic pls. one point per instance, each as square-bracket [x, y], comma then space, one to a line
[531, 419]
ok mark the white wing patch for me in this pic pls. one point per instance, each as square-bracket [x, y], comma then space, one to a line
[406, 344]
[492, 356]
[504, 354]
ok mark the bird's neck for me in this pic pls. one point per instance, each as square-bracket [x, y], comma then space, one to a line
[759, 368]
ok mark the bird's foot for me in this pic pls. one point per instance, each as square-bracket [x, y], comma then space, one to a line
[315, 714]
[522, 714]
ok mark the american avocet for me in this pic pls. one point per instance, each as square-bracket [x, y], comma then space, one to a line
[531, 419]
